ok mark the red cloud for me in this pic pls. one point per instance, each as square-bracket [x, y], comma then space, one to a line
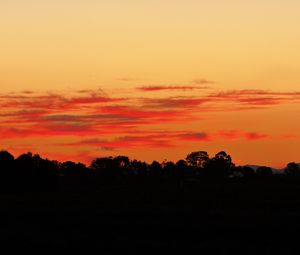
[92, 100]
[290, 136]
[93, 112]
[163, 139]
[175, 102]
[237, 134]
[256, 97]
[159, 88]
[201, 136]
[156, 141]
[255, 136]
[144, 115]
[230, 135]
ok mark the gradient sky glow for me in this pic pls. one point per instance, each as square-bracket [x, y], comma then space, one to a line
[151, 79]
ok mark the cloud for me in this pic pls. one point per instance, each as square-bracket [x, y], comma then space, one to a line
[290, 136]
[202, 81]
[175, 102]
[163, 139]
[117, 122]
[154, 140]
[92, 100]
[160, 88]
[55, 101]
[255, 136]
[92, 112]
[129, 141]
[194, 136]
[230, 134]
[237, 134]
[256, 97]
[106, 148]
[126, 79]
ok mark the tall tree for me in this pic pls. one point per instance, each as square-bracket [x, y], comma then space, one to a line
[220, 166]
[197, 159]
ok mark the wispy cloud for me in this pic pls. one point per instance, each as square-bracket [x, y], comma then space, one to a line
[160, 88]
[175, 102]
[164, 139]
[238, 134]
[203, 81]
[255, 136]
[126, 79]
[256, 97]
[90, 113]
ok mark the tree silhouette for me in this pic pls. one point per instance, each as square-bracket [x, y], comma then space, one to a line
[104, 167]
[169, 168]
[77, 173]
[247, 172]
[7, 171]
[292, 169]
[155, 168]
[182, 168]
[35, 172]
[264, 171]
[138, 167]
[197, 159]
[220, 166]
[32, 172]
[6, 159]
[122, 164]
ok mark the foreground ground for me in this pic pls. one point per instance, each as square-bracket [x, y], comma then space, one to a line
[254, 217]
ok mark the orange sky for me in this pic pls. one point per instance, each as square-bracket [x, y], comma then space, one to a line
[151, 79]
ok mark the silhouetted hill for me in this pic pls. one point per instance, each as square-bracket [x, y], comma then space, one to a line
[274, 170]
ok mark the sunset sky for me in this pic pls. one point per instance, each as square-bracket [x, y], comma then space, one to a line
[151, 79]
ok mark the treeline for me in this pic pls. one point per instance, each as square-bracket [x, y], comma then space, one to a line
[30, 171]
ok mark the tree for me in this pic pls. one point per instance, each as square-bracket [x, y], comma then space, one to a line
[264, 171]
[6, 161]
[105, 167]
[25, 166]
[247, 172]
[219, 166]
[34, 172]
[155, 168]
[138, 167]
[169, 167]
[292, 169]
[7, 171]
[74, 172]
[197, 159]
[5, 157]
[111, 166]
[46, 174]
[182, 167]
[121, 164]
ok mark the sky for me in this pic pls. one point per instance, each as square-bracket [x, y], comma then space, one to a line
[156, 79]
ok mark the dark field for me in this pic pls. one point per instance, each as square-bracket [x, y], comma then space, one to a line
[201, 217]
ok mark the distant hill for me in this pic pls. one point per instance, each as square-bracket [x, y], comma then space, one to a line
[274, 170]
